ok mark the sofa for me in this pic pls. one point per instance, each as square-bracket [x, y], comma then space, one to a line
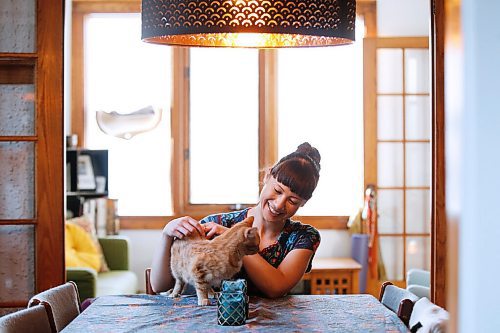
[118, 280]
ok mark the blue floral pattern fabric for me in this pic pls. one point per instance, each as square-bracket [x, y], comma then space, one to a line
[294, 235]
[304, 313]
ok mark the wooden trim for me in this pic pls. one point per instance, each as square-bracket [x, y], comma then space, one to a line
[404, 187]
[18, 138]
[50, 269]
[180, 124]
[406, 234]
[268, 111]
[17, 72]
[159, 222]
[14, 304]
[403, 42]
[108, 6]
[403, 94]
[10, 56]
[405, 141]
[77, 79]
[368, 10]
[19, 222]
[370, 134]
[438, 215]
[369, 111]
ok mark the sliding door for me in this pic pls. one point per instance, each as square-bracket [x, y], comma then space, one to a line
[398, 153]
[31, 150]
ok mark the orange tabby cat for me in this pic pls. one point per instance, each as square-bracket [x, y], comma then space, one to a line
[205, 263]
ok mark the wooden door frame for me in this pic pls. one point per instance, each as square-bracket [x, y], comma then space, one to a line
[49, 174]
[438, 209]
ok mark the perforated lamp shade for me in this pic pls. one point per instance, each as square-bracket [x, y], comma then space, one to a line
[248, 23]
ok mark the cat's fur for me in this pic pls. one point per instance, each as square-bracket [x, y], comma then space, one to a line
[205, 263]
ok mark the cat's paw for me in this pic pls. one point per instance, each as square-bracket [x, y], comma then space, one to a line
[171, 293]
[204, 302]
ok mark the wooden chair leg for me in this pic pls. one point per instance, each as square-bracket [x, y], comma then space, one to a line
[149, 288]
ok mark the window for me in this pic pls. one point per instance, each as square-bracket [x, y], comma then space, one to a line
[223, 123]
[123, 74]
[227, 115]
[321, 102]
[223, 126]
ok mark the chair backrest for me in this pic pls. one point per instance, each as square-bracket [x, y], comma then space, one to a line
[149, 288]
[30, 320]
[418, 277]
[398, 300]
[63, 303]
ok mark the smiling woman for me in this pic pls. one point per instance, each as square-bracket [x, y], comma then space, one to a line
[286, 247]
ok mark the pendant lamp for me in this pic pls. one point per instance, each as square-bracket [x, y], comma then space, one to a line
[249, 23]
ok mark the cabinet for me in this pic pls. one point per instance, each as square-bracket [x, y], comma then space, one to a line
[77, 166]
[334, 276]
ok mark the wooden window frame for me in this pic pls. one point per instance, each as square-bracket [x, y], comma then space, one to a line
[268, 146]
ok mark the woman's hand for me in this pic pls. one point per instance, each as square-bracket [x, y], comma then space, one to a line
[183, 226]
[213, 229]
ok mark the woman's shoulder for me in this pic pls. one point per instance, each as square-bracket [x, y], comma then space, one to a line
[226, 219]
[302, 228]
[300, 235]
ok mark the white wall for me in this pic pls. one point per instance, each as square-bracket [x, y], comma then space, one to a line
[403, 18]
[143, 243]
[479, 222]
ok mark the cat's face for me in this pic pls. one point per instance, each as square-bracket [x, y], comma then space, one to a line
[252, 240]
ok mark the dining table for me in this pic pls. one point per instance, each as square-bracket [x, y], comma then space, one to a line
[294, 313]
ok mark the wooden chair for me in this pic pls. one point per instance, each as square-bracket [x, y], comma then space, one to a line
[62, 303]
[398, 300]
[149, 288]
[31, 320]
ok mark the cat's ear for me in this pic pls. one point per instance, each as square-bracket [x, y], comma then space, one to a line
[249, 221]
[251, 233]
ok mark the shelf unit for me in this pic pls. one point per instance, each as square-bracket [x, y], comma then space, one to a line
[74, 196]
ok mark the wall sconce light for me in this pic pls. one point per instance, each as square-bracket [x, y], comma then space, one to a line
[126, 126]
[249, 23]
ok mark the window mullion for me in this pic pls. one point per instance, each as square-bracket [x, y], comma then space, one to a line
[180, 129]
[268, 110]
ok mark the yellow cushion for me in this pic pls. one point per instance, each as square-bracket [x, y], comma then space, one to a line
[80, 249]
[89, 226]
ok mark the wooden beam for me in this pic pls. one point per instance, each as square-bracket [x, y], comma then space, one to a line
[438, 208]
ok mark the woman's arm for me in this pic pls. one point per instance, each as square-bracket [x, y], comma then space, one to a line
[161, 276]
[276, 282]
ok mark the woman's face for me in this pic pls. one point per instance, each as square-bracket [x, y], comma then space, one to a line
[278, 202]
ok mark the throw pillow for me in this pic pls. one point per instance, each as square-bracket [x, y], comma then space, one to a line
[428, 317]
[80, 249]
[89, 227]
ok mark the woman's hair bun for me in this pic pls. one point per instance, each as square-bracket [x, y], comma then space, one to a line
[308, 150]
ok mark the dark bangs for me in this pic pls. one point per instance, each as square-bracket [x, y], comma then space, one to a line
[298, 175]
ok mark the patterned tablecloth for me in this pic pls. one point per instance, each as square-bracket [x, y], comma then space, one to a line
[308, 313]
